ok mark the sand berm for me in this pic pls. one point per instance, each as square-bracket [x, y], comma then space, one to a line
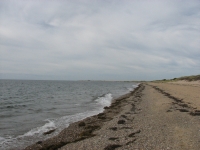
[155, 116]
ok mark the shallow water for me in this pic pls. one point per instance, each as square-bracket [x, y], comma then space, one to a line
[30, 108]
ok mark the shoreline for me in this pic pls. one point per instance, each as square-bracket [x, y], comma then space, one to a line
[153, 116]
[82, 129]
[28, 117]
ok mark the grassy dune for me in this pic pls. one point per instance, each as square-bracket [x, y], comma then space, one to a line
[187, 78]
[190, 78]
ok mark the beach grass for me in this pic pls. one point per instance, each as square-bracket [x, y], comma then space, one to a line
[186, 78]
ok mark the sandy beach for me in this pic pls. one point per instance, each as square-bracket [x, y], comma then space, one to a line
[158, 116]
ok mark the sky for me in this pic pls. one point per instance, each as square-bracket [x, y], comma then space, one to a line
[99, 39]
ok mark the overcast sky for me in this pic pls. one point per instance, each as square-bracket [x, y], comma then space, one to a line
[99, 39]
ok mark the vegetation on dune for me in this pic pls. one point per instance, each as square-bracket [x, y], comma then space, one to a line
[187, 78]
[190, 78]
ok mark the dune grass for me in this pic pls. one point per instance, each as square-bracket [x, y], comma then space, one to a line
[187, 78]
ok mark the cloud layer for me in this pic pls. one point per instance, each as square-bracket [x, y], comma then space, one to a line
[99, 40]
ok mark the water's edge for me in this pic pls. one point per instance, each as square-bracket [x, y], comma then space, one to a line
[54, 138]
[53, 126]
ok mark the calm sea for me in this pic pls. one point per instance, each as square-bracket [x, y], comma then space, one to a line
[30, 108]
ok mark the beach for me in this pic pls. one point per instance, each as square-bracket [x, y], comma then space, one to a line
[155, 116]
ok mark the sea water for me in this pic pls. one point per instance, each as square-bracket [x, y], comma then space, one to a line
[29, 108]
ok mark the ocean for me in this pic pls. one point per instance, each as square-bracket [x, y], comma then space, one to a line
[29, 108]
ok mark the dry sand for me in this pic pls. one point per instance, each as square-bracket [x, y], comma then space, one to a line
[189, 92]
[191, 83]
[156, 116]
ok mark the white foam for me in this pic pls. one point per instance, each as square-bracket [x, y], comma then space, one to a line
[130, 89]
[21, 140]
[66, 120]
[2, 139]
[101, 103]
[136, 85]
[105, 100]
[4, 142]
[40, 130]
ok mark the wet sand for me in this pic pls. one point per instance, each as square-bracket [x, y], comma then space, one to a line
[154, 116]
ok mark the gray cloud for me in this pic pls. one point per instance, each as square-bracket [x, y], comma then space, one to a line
[112, 40]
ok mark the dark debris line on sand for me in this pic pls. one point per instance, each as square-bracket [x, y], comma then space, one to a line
[179, 103]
